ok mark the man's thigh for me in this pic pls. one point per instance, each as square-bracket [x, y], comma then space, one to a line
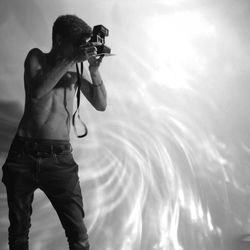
[60, 182]
[59, 175]
[19, 174]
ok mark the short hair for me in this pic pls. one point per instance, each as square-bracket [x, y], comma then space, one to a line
[72, 27]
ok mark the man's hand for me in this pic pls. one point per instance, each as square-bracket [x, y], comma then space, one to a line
[84, 53]
[94, 63]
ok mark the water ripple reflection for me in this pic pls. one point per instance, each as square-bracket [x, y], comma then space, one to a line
[166, 166]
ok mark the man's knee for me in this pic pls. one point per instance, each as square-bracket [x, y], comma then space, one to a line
[18, 236]
[19, 244]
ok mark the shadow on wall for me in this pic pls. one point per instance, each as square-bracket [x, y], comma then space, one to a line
[10, 115]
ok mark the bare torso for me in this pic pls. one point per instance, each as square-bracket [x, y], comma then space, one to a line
[50, 86]
[50, 116]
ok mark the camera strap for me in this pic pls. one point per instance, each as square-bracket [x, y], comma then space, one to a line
[78, 94]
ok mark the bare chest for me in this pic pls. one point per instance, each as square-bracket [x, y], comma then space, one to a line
[58, 101]
[67, 82]
[65, 89]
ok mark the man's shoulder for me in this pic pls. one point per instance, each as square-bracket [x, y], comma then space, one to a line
[34, 55]
[35, 52]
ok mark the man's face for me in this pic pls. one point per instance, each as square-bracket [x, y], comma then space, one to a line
[64, 46]
[80, 41]
[67, 46]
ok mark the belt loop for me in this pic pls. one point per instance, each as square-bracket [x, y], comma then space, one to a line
[53, 152]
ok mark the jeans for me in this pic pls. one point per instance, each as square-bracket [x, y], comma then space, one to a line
[48, 165]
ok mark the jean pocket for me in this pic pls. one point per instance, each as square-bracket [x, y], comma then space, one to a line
[8, 169]
[14, 155]
[65, 159]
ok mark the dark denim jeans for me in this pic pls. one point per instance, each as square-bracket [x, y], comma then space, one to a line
[48, 165]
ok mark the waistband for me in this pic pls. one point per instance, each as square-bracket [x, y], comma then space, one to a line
[39, 140]
[37, 146]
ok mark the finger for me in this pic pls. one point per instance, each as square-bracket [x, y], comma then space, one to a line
[92, 56]
[100, 58]
[92, 59]
[91, 49]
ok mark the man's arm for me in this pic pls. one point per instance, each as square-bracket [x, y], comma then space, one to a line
[39, 77]
[95, 92]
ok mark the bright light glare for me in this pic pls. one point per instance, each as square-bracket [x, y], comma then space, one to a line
[175, 37]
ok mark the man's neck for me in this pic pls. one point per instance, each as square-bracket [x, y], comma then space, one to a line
[54, 56]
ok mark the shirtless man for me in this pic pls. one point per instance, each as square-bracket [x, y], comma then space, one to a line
[40, 155]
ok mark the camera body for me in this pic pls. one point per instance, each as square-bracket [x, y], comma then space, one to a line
[98, 39]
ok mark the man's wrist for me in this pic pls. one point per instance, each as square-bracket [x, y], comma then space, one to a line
[93, 69]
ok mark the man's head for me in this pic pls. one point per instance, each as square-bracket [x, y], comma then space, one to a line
[70, 28]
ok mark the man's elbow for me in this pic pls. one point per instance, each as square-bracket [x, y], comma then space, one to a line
[101, 107]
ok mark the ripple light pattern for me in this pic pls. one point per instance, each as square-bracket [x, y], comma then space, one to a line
[166, 166]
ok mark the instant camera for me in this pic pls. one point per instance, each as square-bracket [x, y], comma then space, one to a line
[98, 40]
